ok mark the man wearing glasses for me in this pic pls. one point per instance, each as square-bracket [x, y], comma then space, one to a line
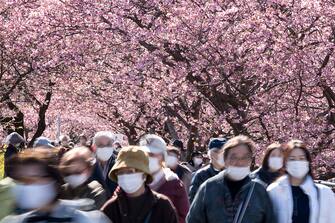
[231, 196]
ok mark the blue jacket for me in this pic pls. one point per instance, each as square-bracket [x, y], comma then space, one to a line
[201, 176]
[213, 203]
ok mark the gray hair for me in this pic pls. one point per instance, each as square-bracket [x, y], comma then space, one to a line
[106, 134]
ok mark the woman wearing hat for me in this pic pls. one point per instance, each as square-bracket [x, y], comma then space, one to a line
[134, 201]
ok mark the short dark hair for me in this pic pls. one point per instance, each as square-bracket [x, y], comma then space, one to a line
[178, 143]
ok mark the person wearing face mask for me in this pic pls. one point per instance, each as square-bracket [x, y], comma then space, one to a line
[37, 186]
[295, 196]
[134, 201]
[231, 196]
[104, 150]
[172, 161]
[195, 162]
[272, 165]
[76, 167]
[65, 141]
[11, 146]
[164, 180]
[215, 154]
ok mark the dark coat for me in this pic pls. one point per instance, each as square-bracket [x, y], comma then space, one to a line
[10, 151]
[100, 174]
[174, 189]
[201, 176]
[157, 208]
[265, 177]
[213, 203]
[185, 175]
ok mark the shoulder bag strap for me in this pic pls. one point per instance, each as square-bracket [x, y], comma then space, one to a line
[241, 211]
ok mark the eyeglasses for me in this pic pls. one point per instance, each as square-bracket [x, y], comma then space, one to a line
[244, 159]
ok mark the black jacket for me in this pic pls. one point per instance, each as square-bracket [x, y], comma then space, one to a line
[265, 177]
[156, 208]
[201, 176]
[100, 174]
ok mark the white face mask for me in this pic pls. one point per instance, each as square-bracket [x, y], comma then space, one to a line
[276, 163]
[154, 165]
[197, 161]
[76, 179]
[34, 196]
[171, 161]
[104, 153]
[297, 169]
[237, 173]
[130, 183]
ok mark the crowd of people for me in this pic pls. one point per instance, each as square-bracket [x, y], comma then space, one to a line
[103, 181]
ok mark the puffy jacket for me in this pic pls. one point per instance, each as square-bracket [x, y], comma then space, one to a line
[321, 198]
[201, 176]
[213, 203]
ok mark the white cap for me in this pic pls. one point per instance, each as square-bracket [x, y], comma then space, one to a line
[153, 144]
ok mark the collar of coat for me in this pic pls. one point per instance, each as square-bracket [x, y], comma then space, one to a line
[307, 186]
[147, 205]
[240, 194]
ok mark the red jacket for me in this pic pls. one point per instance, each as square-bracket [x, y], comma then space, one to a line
[170, 185]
